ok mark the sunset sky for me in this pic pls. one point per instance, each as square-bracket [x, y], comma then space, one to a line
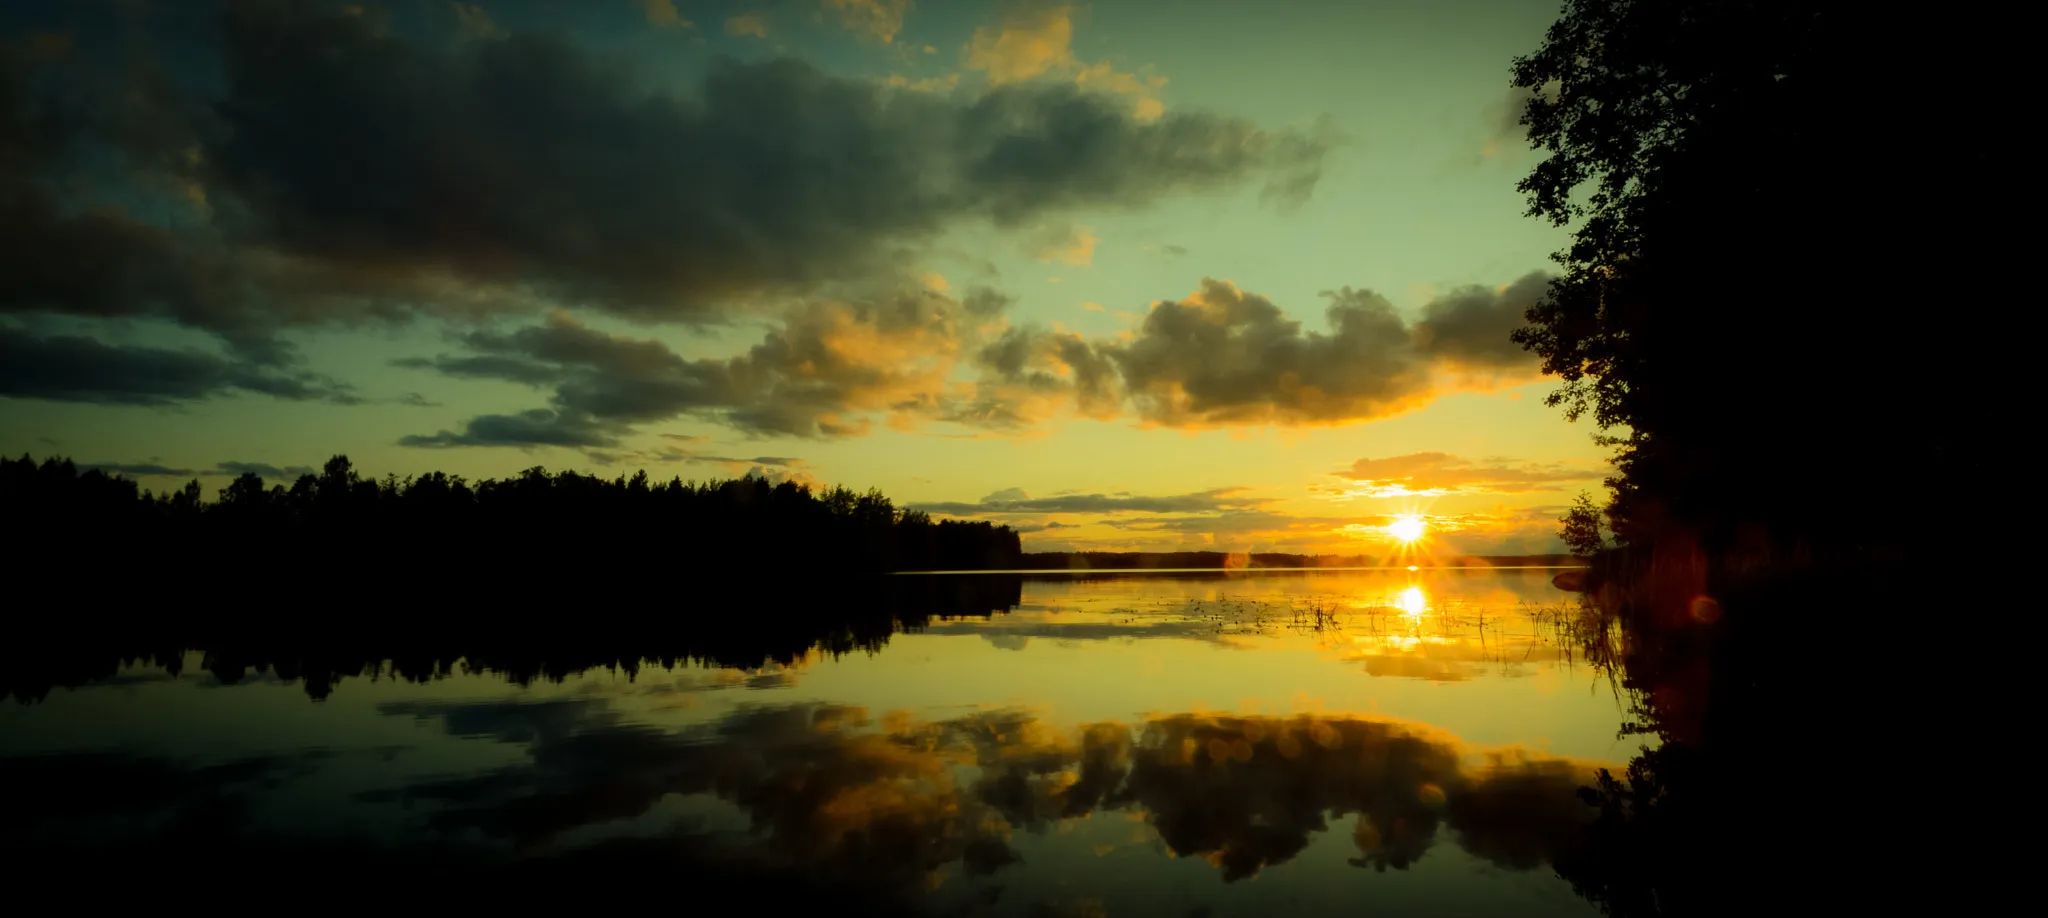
[1141, 275]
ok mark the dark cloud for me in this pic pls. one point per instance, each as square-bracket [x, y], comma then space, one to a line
[338, 169]
[141, 468]
[80, 369]
[1029, 373]
[1225, 356]
[757, 460]
[1471, 324]
[536, 427]
[819, 373]
[1015, 500]
[264, 469]
[1221, 356]
[228, 469]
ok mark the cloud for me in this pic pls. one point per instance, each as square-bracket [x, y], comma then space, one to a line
[1221, 357]
[1030, 41]
[937, 84]
[1227, 357]
[1143, 91]
[141, 468]
[1037, 40]
[1471, 325]
[824, 371]
[1442, 473]
[1028, 374]
[80, 369]
[662, 14]
[535, 427]
[229, 469]
[341, 172]
[1073, 245]
[757, 460]
[1504, 128]
[264, 469]
[1015, 500]
[747, 24]
[873, 20]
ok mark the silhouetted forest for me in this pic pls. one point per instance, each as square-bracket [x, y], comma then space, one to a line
[1751, 297]
[538, 576]
[1787, 235]
[428, 533]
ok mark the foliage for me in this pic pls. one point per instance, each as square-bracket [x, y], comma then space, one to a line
[1580, 528]
[438, 527]
[1743, 187]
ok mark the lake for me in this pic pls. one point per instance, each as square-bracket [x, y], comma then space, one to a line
[1249, 743]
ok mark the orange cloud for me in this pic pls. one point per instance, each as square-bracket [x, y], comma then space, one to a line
[1073, 245]
[878, 21]
[1029, 42]
[662, 14]
[1034, 42]
[1433, 474]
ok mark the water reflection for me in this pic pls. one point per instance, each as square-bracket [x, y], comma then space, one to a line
[895, 804]
[1393, 740]
[831, 789]
[738, 624]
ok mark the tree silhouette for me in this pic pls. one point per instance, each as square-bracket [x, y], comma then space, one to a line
[1781, 304]
[538, 575]
[1740, 178]
[1580, 529]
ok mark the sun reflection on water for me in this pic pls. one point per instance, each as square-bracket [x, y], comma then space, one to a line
[1411, 602]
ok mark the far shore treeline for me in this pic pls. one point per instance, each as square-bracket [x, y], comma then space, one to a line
[438, 531]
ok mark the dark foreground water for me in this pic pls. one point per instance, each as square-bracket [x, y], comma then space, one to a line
[1364, 742]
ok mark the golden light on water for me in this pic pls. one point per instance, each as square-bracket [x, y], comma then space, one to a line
[1412, 602]
[1406, 529]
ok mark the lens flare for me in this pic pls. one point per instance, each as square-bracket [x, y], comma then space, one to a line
[1406, 530]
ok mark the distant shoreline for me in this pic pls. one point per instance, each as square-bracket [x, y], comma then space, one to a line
[1221, 563]
[1251, 570]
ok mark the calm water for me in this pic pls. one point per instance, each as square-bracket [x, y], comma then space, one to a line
[1251, 744]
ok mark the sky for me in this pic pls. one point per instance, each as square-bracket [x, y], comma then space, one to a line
[1126, 276]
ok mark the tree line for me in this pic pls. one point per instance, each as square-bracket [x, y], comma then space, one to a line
[1777, 336]
[1780, 304]
[553, 532]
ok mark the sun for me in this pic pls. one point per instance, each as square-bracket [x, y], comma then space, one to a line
[1406, 530]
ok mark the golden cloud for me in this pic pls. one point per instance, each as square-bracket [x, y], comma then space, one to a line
[662, 14]
[874, 20]
[1434, 474]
